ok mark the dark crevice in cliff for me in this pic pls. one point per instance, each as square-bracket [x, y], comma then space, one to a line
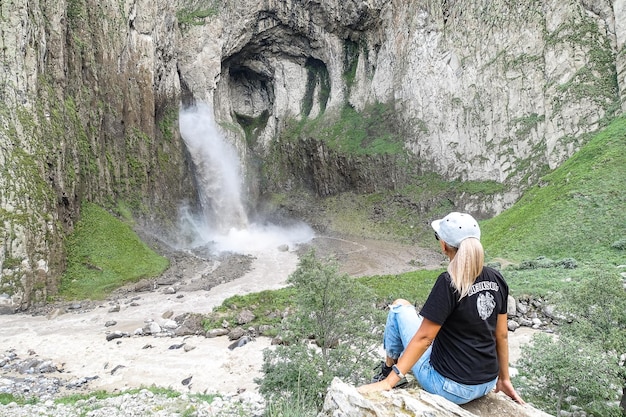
[318, 80]
[186, 96]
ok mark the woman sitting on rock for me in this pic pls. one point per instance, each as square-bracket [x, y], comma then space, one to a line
[457, 346]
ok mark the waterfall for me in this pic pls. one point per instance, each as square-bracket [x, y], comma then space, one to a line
[217, 170]
[223, 224]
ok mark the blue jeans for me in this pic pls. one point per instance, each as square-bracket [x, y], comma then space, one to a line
[402, 323]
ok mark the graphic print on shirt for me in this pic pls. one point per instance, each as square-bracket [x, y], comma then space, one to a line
[483, 286]
[485, 305]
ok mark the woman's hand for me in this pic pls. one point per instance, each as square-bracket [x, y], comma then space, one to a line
[374, 387]
[506, 387]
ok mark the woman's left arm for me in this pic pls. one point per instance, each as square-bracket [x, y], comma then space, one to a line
[504, 383]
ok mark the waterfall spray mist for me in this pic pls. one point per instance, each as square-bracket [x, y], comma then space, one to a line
[223, 223]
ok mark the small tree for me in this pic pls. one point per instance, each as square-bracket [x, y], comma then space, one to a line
[599, 312]
[332, 333]
[555, 371]
[582, 364]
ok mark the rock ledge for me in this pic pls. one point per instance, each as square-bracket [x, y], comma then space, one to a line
[344, 400]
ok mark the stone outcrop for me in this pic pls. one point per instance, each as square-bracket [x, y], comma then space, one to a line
[344, 400]
[90, 94]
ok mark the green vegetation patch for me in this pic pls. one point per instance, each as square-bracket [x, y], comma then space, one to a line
[98, 395]
[168, 123]
[412, 286]
[195, 12]
[317, 76]
[252, 126]
[351, 61]
[577, 211]
[402, 214]
[102, 394]
[267, 306]
[103, 254]
[75, 12]
[6, 398]
[525, 125]
[544, 282]
[373, 131]
[178, 404]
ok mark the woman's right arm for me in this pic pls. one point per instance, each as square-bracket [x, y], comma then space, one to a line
[504, 383]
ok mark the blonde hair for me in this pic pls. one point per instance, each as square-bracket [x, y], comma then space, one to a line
[466, 265]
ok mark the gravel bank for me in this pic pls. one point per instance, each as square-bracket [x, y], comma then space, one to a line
[142, 403]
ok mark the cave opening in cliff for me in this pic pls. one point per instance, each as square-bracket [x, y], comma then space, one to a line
[221, 224]
[318, 80]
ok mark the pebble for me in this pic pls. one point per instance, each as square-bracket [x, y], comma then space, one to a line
[35, 379]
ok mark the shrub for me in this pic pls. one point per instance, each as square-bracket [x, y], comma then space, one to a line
[568, 263]
[581, 365]
[598, 309]
[332, 334]
[620, 244]
[543, 262]
[557, 371]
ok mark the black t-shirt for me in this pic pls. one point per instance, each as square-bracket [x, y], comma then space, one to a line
[465, 347]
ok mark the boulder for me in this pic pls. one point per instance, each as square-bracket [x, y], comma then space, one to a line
[343, 400]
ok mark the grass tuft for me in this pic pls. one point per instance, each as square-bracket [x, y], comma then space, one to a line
[6, 399]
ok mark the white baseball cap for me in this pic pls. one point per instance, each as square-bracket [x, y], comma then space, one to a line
[456, 227]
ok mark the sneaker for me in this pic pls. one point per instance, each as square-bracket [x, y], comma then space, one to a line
[384, 372]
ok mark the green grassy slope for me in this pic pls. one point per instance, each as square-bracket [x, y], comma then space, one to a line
[104, 253]
[578, 211]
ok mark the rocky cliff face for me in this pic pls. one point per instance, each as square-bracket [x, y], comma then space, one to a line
[481, 86]
[482, 90]
[90, 94]
[495, 90]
